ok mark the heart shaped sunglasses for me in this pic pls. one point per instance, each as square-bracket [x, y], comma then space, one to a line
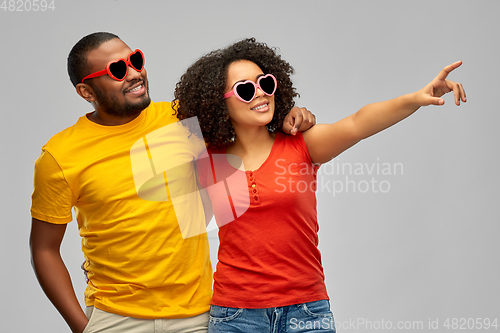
[118, 69]
[245, 91]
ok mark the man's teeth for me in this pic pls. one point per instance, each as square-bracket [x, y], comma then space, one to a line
[136, 88]
[259, 107]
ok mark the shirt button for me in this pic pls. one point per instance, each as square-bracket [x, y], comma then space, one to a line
[256, 198]
[253, 185]
[251, 178]
[254, 191]
[251, 174]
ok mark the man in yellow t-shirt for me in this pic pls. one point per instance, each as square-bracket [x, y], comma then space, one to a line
[146, 267]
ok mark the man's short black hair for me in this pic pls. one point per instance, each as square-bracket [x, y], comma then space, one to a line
[78, 65]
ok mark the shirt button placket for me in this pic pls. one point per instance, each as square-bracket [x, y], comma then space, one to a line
[254, 193]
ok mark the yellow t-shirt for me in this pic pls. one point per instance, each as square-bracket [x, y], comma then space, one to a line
[141, 261]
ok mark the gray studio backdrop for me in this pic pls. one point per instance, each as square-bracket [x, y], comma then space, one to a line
[408, 219]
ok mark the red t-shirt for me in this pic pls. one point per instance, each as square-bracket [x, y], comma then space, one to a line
[268, 256]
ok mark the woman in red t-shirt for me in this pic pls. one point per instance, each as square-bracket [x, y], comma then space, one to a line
[269, 277]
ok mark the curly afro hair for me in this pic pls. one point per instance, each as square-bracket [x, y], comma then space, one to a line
[200, 91]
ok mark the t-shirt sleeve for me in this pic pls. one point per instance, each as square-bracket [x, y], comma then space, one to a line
[300, 142]
[52, 198]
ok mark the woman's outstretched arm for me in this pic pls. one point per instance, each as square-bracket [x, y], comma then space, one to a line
[325, 141]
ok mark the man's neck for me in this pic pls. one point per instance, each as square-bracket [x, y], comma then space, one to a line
[110, 120]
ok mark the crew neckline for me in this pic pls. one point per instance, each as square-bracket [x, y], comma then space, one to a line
[116, 128]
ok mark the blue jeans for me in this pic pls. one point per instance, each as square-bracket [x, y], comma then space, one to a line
[298, 318]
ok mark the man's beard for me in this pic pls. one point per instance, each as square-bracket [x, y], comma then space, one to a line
[113, 107]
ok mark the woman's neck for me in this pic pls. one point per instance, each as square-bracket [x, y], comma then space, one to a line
[253, 146]
[250, 140]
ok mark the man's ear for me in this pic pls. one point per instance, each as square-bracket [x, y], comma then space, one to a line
[86, 92]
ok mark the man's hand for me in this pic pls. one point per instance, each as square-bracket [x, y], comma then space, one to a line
[298, 119]
[85, 272]
[431, 93]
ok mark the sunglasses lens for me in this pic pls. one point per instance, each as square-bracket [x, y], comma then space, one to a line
[267, 85]
[246, 91]
[118, 69]
[137, 60]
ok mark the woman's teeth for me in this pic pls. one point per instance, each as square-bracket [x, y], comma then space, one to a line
[259, 107]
